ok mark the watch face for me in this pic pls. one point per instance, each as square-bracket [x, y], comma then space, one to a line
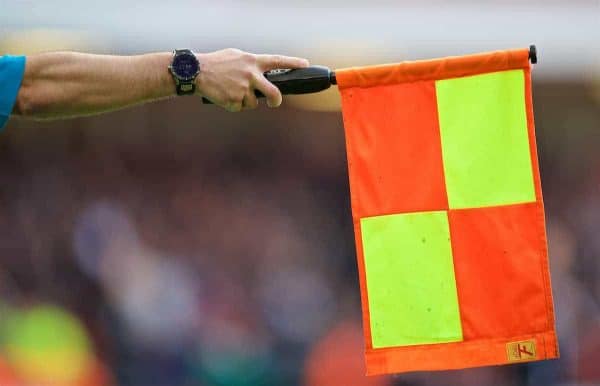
[185, 66]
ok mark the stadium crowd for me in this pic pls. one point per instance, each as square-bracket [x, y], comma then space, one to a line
[138, 251]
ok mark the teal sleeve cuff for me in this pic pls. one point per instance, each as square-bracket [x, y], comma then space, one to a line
[12, 69]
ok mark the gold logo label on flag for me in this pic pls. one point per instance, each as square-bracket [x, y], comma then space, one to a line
[520, 351]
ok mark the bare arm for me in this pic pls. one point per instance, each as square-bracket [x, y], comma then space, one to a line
[66, 84]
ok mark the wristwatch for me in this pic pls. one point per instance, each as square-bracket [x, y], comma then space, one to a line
[184, 68]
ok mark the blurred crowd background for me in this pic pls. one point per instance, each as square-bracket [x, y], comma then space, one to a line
[176, 244]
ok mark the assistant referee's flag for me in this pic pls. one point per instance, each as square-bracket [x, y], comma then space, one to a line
[448, 213]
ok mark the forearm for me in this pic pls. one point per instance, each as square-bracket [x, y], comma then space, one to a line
[67, 84]
[63, 84]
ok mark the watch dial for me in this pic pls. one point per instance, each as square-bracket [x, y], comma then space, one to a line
[185, 66]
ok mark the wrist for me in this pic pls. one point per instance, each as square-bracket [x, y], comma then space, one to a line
[201, 78]
[159, 85]
[167, 86]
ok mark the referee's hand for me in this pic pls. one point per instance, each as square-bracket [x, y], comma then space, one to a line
[229, 77]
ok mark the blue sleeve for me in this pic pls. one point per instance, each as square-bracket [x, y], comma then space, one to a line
[11, 75]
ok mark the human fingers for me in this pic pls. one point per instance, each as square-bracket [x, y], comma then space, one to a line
[250, 101]
[270, 62]
[271, 93]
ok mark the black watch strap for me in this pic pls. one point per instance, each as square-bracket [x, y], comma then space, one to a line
[185, 87]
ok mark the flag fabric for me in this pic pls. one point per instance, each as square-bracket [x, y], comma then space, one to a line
[448, 213]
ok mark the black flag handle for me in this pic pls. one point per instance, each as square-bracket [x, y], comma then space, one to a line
[298, 81]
